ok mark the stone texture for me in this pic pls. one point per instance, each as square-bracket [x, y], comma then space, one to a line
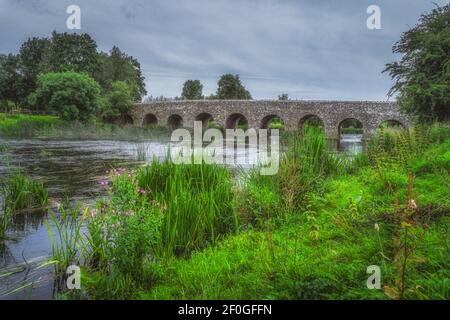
[293, 113]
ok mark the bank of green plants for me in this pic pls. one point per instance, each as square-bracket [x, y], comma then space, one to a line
[51, 127]
[20, 192]
[310, 232]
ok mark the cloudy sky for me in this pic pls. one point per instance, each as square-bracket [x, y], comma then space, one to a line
[310, 49]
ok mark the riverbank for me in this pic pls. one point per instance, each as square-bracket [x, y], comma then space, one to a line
[311, 232]
[52, 128]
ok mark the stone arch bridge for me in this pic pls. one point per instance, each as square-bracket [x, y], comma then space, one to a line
[258, 113]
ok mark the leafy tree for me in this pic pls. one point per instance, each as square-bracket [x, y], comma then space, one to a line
[72, 52]
[33, 53]
[71, 95]
[283, 97]
[422, 76]
[230, 87]
[192, 90]
[10, 78]
[118, 66]
[118, 101]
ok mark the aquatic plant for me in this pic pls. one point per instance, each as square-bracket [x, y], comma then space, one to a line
[67, 246]
[20, 192]
[197, 200]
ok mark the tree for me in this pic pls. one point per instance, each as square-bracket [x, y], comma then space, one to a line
[192, 90]
[33, 53]
[118, 101]
[72, 52]
[422, 76]
[10, 78]
[283, 97]
[230, 87]
[71, 95]
[118, 66]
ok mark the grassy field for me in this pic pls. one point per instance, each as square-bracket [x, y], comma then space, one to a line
[310, 232]
[50, 127]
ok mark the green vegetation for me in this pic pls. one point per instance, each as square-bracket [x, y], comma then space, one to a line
[21, 193]
[66, 75]
[422, 76]
[192, 90]
[22, 125]
[70, 95]
[230, 87]
[310, 232]
[51, 127]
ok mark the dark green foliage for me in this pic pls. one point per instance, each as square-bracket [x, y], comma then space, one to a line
[118, 66]
[230, 87]
[71, 95]
[422, 76]
[192, 90]
[33, 54]
[10, 78]
[118, 102]
[72, 52]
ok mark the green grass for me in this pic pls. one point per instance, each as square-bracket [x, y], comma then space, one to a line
[186, 232]
[22, 125]
[20, 192]
[50, 127]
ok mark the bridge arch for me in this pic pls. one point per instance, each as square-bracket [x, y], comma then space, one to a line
[150, 120]
[204, 117]
[127, 119]
[235, 120]
[267, 120]
[350, 125]
[312, 120]
[175, 121]
[392, 123]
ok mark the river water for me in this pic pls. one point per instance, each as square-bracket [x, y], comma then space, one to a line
[72, 170]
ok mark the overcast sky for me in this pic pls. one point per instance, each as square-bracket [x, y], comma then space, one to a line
[315, 49]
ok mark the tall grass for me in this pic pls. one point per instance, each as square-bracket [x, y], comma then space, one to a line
[24, 126]
[197, 201]
[50, 127]
[20, 192]
[68, 245]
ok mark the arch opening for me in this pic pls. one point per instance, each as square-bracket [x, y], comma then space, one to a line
[205, 118]
[309, 121]
[237, 121]
[351, 136]
[272, 122]
[175, 121]
[126, 120]
[351, 126]
[150, 120]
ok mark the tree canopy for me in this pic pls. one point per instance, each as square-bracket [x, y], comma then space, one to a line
[71, 95]
[422, 76]
[192, 90]
[230, 87]
[62, 52]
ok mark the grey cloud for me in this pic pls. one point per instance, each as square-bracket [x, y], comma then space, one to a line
[310, 49]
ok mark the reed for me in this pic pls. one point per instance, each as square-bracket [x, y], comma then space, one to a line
[20, 192]
[197, 201]
[68, 246]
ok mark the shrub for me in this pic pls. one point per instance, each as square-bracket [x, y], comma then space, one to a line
[71, 95]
